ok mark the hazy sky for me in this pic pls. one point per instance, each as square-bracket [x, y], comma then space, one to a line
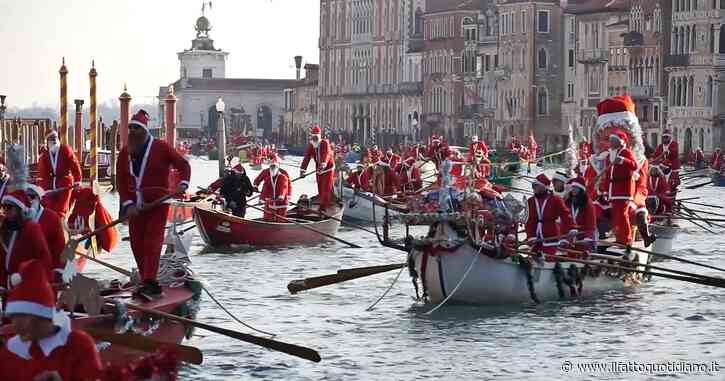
[136, 41]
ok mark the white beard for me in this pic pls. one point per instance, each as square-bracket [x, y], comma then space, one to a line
[613, 154]
[34, 208]
[315, 144]
[273, 172]
[54, 148]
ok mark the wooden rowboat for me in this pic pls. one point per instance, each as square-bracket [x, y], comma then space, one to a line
[218, 228]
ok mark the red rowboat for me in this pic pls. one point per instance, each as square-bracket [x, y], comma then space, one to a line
[223, 229]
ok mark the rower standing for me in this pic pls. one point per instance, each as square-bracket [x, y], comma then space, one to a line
[59, 170]
[143, 169]
[544, 210]
[276, 190]
[320, 151]
[667, 154]
[475, 146]
[659, 201]
[44, 347]
[618, 185]
[582, 212]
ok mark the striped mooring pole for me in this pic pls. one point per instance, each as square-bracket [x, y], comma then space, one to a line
[93, 176]
[63, 103]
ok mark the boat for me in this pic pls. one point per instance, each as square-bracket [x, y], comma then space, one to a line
[182, 211]
[180, 297]
[218, 228]
[367, 207]
[458, 272]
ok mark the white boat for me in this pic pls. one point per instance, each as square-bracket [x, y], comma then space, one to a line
[475, 278]
[359, 206]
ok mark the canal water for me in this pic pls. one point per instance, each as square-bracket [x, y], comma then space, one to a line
[659, 322]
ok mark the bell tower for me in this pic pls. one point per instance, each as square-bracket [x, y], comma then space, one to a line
[202, 60]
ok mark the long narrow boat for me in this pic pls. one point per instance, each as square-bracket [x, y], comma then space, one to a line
[359, 206]
[467, 275]
[218, 228]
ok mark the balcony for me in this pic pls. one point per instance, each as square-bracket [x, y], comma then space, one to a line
[677, 60]
[593, 56]
[411, 88]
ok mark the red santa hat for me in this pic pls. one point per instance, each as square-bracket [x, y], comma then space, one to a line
[316, 131]
[51, 134]
[578, 182]
[141, 119]
[621, 136]
[31, 293]
[17, 198]
[542, 180]
[238, 168]
[274, 159]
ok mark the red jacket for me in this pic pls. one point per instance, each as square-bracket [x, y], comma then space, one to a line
[473, 147]
[59, 170]
[640, 185]
[52, 227]
[323, 156]
[668, 155]
[585, 219]
[355, 179]
[276, 188]
[409, 177]
[72, 354]
[152, 182]
[24, 245]
[392, 161]
[659, 187]
[391, 185]
[543, 215]
[618, 182]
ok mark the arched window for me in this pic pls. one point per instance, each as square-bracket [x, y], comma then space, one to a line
[693, 38]
[543, 102]
[690, 91]
[687, 40]
[542, 59]
[722, 37]
[678, 92]
[709, 92]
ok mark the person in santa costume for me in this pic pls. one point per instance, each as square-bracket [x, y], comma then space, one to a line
[558, 181]
[659, 201]
[409, 176]
[58, 171]
[4, 180]
[544, 211]
[374, 154]
[357, 179]
[276, 190]
[583, 213]
[142, 170]
[480, 170]
[715, 159]
[667, 155]
[21, 239]
[320, 151]
[475, 146]
[391, 158]
[384, 181]
[618, 185]
[44, 347]
[50, 223]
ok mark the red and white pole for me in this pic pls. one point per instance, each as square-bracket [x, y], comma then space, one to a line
[125, 99]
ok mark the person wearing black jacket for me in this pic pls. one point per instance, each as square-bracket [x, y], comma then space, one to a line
[235, 187]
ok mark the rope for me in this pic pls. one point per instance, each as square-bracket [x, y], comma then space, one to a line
[468, 270]
[386, 291]
[232, 315]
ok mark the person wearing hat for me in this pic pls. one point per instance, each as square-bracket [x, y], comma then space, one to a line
[276, 190]
[235, 186]
[21, 239]
[480, 170]
[715, 159]
[375, 154]
[558, 181]
[618, 185]
[583, 213]
[44, 346]
[60, 171]
[143, 169]
[391, 158]
[50, 224]
[659, 201]
[667, 154]
[321, 152]
[475, 146]
[355, 178]
[544, 211]
[409, 176]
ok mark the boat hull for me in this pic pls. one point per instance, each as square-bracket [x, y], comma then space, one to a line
[360, 207]
[500, 281]
[223, 229]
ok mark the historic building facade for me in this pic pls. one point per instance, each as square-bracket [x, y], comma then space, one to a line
[301, 107]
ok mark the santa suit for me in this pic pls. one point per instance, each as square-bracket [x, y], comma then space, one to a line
[619, 186]
[275, 193]
[668, 155]
[324, 169]
[59, 170]
[409, 177]
[374, 155]
[365, 179]
[715, 161]
[477, 146]
[72, 354]
[640, 188]
[52, 226]
[354, 179]
[144, 182]
[659, 189]
[542, 221]
[24, 245]
[586, 222]
[392, 160]
[390, 184]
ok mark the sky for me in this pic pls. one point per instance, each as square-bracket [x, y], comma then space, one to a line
[136, 41]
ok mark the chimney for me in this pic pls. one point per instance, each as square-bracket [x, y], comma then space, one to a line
[298, 65]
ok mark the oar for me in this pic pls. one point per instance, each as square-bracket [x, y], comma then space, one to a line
[686, 201]
[291, 349]
[70, 247]
[685, 217]
[617, 244]
[126, 238]
[310, 229]
[184, 353]
[694, 218]
[298, 285]
[700, 185]
[339, 220]
[104, 263]
[701, 211]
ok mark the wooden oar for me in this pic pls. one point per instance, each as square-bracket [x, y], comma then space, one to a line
[702, 211]
[337, 219]
[298, 285]
[694, 218]
[661, 255]
[104, 263]
[291, 349]
[699, 204]
[700, 185]
[310, 229]
[70, 247]
[184, 353]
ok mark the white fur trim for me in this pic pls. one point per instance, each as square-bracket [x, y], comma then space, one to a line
[578, 185]
[8, 199]
[560, 177]
[127, 203]
[29, 308]
[36, 189]
[136, 122]
[184, 182]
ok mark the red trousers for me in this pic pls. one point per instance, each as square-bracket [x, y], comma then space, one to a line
[325, 182]
[59, 201]
[275, 210]
[620, 221]
[146, 233]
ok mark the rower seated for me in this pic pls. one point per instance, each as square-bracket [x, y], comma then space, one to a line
[276, 190]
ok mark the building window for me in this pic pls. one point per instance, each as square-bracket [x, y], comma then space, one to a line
[543, 102]
[487, 62]
[656, 113]
[570, 90]
[645, 113]
[571, 57]
[542, 58]
[543, 22]
[523, 21]
[206, 73]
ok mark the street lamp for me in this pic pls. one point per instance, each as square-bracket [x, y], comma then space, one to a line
[221, 139]
[2, 107]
